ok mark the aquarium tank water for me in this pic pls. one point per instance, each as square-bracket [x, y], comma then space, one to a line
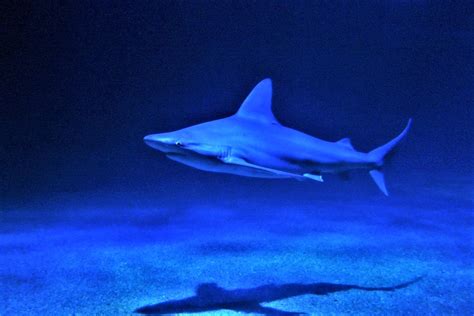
[236, 157]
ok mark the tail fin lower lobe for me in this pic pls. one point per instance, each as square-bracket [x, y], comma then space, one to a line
[379, 154]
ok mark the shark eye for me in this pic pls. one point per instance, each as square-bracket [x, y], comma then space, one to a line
[179, 144]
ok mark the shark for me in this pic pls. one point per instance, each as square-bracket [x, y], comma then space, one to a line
[253, 143]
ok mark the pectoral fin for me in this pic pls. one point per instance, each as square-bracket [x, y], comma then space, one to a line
[242, 162]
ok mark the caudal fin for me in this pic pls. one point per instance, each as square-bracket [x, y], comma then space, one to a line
[379, 179]
[378, 156]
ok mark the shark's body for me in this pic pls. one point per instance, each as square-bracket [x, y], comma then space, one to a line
[252, 143]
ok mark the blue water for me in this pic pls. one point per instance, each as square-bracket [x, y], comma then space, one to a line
[93, 222]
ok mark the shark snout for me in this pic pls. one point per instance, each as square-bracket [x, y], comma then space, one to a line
[160, 142]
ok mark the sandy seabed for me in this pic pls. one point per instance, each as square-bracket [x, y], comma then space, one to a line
[410, 254]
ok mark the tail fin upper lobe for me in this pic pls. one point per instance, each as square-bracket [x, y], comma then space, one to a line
[379, 154]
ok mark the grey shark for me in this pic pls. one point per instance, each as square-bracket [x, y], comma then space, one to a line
[253, 143]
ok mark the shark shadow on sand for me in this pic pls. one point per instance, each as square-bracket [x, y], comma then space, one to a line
[211, 297]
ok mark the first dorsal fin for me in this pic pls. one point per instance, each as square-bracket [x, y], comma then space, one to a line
[258, 104]
[346, 142]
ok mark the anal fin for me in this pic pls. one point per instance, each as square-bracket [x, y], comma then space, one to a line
[345, 175]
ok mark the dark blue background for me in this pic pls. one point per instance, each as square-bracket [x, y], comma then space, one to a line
[83, 82]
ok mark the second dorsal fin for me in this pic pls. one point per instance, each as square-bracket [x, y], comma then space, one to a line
[346, 142]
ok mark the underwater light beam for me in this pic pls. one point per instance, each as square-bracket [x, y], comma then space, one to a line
[253, 143]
